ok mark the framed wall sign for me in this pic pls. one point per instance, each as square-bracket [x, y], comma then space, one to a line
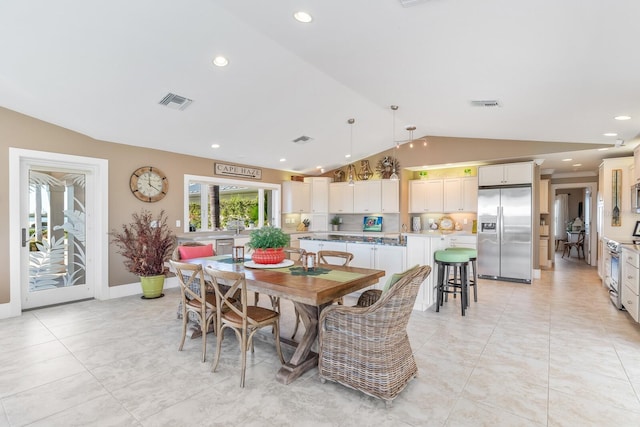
[616, 197]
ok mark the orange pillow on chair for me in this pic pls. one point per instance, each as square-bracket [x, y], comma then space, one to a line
[188, 252]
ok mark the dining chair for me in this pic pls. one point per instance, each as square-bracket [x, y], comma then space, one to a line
[195, 300]
[331, 258]
[367, 348]
[243, 319]
[578, 244]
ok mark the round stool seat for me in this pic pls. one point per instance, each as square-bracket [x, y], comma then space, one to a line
[451, 256]
[472, 253]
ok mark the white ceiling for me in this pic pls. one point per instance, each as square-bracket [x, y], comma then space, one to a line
[560, 69]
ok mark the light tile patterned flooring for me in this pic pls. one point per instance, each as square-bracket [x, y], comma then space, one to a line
[556, 353]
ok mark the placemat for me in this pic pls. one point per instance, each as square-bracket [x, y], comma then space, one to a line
[325, 273]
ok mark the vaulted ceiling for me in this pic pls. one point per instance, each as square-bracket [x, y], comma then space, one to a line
[560, 71]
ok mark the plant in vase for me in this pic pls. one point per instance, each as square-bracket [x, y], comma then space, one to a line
[146, 244]
[335, 223]
[267, 243]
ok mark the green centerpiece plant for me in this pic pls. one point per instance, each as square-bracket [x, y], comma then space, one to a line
[146, 244]
[267, 243]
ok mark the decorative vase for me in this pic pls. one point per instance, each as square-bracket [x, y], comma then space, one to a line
[416, 226]
[268, 256]
[152, 286]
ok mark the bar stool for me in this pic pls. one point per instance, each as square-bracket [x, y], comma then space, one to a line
[458, 261]
[473, 256]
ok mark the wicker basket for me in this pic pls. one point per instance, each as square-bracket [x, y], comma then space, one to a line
[268, 256]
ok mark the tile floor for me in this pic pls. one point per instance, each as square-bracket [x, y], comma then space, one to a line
[555, 353]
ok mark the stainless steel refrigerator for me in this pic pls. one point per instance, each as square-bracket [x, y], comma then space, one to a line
[505, 233]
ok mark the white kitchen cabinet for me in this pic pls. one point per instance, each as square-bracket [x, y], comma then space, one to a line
[391, 259]
[426, 196]
[420, 251]
[630, 286]
[296, 197]
[390, 196]
[322, 245]
[636, 165]
[506, 174]
[544, 196]
[340, 198]
[457, 241]
[319, 194]
[543, 252]
[460, 195]
[367, 197]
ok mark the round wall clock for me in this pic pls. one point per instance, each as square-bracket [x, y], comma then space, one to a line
[149, 184]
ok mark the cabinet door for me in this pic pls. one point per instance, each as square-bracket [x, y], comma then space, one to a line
[544, 196]
[340, 198]
[319, 194]
[452, 195]
[322, 245]
[636, 165]
[518, 173]
[434, 199]
[362, 255]
[390, 196]
[491, 175]
[391, 259]
[367, 197]
[470, 194]
[417, 196]
[295, 197]
[629, 301]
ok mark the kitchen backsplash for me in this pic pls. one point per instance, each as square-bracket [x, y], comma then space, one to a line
[427, 219]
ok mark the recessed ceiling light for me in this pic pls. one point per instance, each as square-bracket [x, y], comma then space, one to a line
[303, 17]
[622, 117]
[215, 145]
[610, 134]
[603, 149]
[566, 160]
[220, 61]
[318, 167]
[283, 160]
[347, 155]
[578, 164]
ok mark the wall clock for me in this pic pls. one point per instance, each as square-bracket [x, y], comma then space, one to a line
[149, 184]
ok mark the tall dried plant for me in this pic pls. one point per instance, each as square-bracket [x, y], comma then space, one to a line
[145, 243]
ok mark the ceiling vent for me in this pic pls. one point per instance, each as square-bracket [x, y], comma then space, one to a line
[302, 139]
[175, 102]
[485, 103]
[409, 3]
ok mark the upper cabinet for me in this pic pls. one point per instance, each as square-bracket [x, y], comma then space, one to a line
[460, 195]
[544, 196]
[296, 197]
[340, 198]
[426, 196]
[367, 197]
[390, 196]
[319, 194]
[636, 165]
[506, 174]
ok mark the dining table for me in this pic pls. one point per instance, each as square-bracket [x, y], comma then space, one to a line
[310, 290]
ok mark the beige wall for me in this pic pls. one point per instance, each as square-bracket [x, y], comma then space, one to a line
[20, 131]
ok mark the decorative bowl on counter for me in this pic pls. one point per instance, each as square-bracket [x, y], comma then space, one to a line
[446, 223]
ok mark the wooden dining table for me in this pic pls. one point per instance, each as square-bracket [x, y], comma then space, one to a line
[310, 293]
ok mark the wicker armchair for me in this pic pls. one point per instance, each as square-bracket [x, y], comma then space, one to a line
[367, 348]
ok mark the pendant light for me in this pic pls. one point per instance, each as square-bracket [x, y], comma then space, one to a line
[394, 176]
[351, 168]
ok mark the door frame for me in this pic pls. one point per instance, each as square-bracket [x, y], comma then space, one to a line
[98, 208]
[593, 239]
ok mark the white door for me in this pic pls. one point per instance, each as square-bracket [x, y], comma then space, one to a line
[62, 239]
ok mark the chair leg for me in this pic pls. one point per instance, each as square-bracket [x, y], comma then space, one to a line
[463, 287]
[439, 287]
[185, 321]
[243, 356]
[276, 326]
[475, 281]
[205, 327]
[219, 334]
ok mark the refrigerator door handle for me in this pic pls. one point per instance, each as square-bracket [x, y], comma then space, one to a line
[500, 225]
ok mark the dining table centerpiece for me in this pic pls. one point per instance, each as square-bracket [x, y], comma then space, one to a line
[267, 244]
[146, 244]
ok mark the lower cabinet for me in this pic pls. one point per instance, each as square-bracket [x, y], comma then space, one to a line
[420, 251]
[630, 286]
[391, 259]
[321, 245]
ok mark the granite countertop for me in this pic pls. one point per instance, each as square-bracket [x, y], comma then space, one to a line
[371, 240]
[440, 234]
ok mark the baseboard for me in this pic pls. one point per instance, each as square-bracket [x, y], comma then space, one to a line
[134, 288]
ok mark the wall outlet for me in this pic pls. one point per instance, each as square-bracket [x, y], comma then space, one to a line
[178, 223]
[464, 221]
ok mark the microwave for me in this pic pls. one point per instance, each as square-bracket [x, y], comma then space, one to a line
[635, 198]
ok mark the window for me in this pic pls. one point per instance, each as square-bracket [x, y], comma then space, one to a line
[223, 204]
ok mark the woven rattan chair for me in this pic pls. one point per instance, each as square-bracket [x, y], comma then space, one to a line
[367, 348]
[245, 320]
[199, 303]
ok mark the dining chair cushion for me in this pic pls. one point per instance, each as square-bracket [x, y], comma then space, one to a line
[188, 252]
[395, 277]
[210, 298]
[259, 314]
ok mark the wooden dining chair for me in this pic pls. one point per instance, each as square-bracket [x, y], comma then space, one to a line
[243, 319]
[578, 244]
[194, 299]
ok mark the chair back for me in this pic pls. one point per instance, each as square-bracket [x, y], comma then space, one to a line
[581, 238]
[293, 253]
[225, 285]
[191, 280]
[343, 258]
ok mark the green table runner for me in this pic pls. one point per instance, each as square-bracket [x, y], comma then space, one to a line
[324, 273]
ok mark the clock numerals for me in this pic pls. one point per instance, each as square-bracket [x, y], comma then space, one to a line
[149, 184]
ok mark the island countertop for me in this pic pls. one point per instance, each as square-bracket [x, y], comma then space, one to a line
[371, 240]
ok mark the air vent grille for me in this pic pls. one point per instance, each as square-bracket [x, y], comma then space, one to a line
[409, 3]
[175, 102]
[302, 139]
[486, 103]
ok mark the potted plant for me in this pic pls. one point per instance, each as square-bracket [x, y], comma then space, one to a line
[146, 244]
[267, 243]
[335, 223]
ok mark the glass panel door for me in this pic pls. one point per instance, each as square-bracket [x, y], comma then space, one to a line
[56, 237]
